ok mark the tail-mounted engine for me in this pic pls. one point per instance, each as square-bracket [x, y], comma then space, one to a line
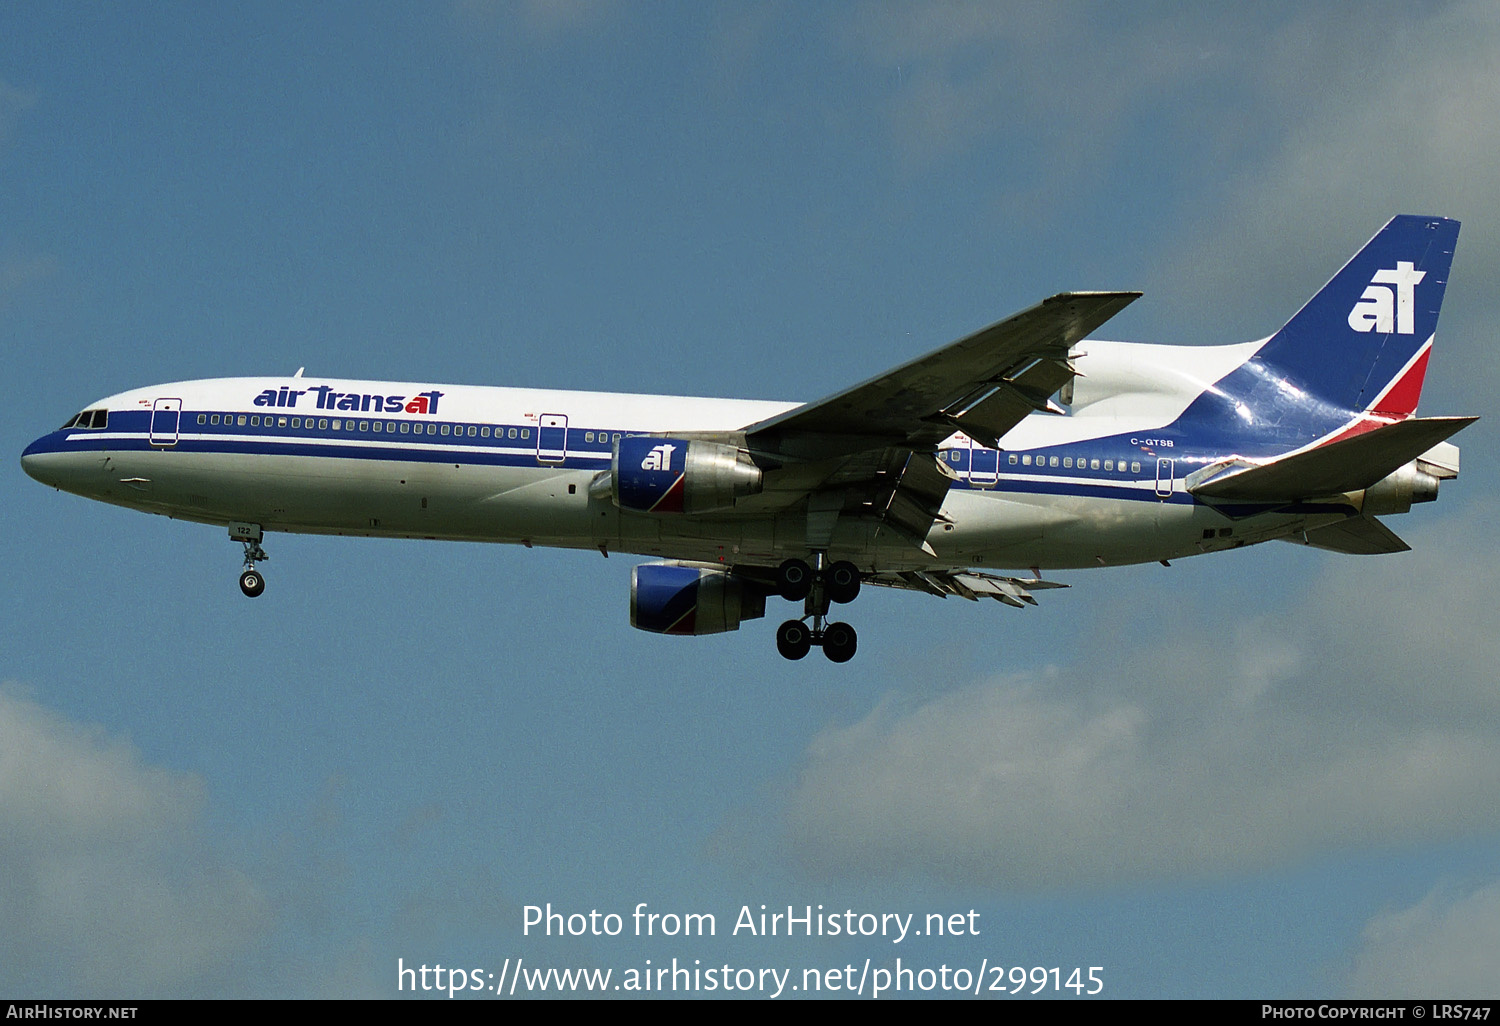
[675, 475]
[1396, 492]
[670, 598]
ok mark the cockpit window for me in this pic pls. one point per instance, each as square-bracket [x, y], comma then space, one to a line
[88, 419]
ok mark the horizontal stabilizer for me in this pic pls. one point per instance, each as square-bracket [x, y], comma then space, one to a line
[1357, 536]
[1348, 465]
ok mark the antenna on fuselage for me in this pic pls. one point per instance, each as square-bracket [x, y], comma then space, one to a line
[299, 372]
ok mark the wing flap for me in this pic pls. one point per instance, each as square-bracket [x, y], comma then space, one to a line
[917, 499]
[969, 584]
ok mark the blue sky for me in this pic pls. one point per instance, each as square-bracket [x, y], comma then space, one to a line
[1267, 773]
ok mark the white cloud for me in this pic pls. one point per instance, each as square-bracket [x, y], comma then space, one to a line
[1445, 946]
[1367, 715]
[106, 885]
[1356, 122]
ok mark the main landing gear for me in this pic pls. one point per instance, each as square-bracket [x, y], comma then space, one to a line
[817, 586]
[252, 581]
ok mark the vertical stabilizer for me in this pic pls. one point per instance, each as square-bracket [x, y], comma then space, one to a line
[1361, 343]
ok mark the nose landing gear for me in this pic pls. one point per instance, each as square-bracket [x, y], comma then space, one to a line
[818, 586]
[252, 581]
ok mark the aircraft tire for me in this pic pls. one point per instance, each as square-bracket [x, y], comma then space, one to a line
[794, 579]
[841, 581]
[252, 583]
[839, 642]
[793, 639]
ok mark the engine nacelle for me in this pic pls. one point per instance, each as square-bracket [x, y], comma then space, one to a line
[674, 475]
[1396, 492]
[670, 598]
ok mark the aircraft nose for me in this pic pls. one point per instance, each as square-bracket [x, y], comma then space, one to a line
[43, 462]
[31, 461]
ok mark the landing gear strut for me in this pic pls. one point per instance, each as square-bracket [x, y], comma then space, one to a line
[818, 586]
[252, 581]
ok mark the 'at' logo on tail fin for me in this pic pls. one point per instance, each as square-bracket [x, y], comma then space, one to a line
[1384, 309]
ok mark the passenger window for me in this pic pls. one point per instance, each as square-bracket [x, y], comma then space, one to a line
[1053, 462]
[296, 423]
[281, 422]
[511, 433]
[526, 432]
[1135, 468]
[202, 418]
[322, 424]
[484, 432]
[1109, 464]
[214, 420]
[1093, 464]
[240, 420]
[472, 430]
[1067, 461]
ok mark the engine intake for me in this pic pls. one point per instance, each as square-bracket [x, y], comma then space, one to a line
[650, 474]
[671, 598]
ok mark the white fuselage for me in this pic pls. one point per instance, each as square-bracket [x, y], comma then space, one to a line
[516, 465]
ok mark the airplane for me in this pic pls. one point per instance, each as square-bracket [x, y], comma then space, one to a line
[1025, 445]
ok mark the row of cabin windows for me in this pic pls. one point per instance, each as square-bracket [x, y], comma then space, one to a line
[1067, 462]
[404, 427]
[377, 426]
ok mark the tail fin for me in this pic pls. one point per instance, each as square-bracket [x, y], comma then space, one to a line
[1361, 344]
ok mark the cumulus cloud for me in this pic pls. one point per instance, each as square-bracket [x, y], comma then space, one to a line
[1446, 945]
[1054, 91]
[1368, 122]
[107, 886]
[1366, 715]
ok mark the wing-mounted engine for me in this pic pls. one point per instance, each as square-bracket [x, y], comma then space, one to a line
[650, 474]
[677, 598]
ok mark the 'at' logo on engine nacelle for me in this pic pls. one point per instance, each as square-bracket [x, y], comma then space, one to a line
[659, 458]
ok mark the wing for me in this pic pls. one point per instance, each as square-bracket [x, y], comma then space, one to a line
[870, 450]
[970, 584]
[984, 385]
